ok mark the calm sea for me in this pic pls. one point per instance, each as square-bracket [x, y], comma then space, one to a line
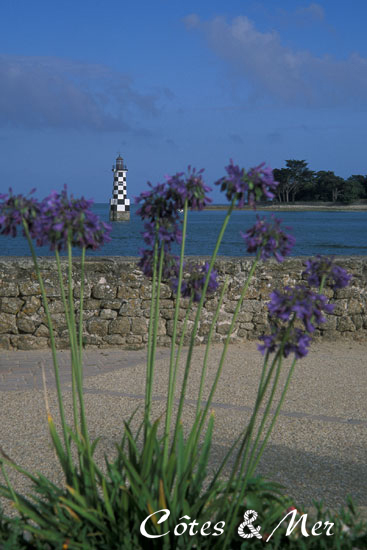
[341, 233]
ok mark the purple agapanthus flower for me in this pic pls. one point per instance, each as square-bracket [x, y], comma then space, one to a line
[162, 227]
[165, 231]
[234, 184]
[320, 268]
[194, 280]
[160, 208]
[297, 342]
[54, 220]
[302, 302]
[164, 200]
[267, 237]
[261, 184]
[64, 219]
[248, 187]
[190, 187]
[154, 204]
[169, 264]
[14, 209]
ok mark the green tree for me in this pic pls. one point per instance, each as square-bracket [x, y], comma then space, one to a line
[329, 187]
[354, 189]
[281, 176]
[308, 191]
[362, 180]
[291, 179]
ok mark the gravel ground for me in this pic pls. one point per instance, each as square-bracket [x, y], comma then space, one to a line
[317, 450]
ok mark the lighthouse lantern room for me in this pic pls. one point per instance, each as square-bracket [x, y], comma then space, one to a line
[119, 204]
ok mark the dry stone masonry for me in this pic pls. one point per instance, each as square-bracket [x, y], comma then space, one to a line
[117, 302]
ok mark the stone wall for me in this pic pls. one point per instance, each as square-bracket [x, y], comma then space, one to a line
[117, 301]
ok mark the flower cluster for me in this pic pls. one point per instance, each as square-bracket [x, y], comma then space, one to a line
[191, 188]
[166, 232]
[295, 341]
[248, 187]
[193, 284]
[261, 184]
[66, 219]
[285, 306]
[301, 302]
[324, 269]
[55, 221]
[16, 208]
[164, 200]
[267, 237]
[169, 269]
[154, 204]
[160, 206]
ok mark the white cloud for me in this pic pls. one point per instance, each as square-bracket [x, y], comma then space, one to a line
[191, 21]
[313, 12]
[277, 71]
[42, 92]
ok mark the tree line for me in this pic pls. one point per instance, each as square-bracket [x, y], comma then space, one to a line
[298, 182]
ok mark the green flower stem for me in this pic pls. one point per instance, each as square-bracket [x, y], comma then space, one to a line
[263, 386]
[277, 358]
[183, 333]
[70, 473]
[261, 392]
[150, 335]
[252, 467]
[154, 337]
[263, 370]
[206, 283]
[203, 295]
[196, 429]
[76, 359]
[243, 451]
[81, 304]
[322, 284]
[252, 461]
[173, 364]
[183, 384]
[77, 367]
[226, 343]
[245, 447]
[210, 335]
[10, 487]
[178, 355]
[67, 317]
[72, 331]
[246, 436]
[223, 463]
[266, 412]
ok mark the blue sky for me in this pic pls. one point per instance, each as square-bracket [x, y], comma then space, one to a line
[170, 83]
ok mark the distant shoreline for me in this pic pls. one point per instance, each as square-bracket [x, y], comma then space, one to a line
[301, 207]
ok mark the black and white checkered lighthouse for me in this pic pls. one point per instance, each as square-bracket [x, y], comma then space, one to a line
[119, 204]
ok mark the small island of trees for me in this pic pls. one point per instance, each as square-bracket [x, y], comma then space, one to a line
[298, 183]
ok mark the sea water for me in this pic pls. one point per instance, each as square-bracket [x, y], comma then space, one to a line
[326, 233]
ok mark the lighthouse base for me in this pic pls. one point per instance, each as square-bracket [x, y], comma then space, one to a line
[116, 216]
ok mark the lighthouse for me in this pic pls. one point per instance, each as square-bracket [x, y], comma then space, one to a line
[119, 204]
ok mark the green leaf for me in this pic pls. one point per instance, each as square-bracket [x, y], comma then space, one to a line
[94, 445]
[107, 502]
[88, 514]
[61, 454]
[149, 446]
